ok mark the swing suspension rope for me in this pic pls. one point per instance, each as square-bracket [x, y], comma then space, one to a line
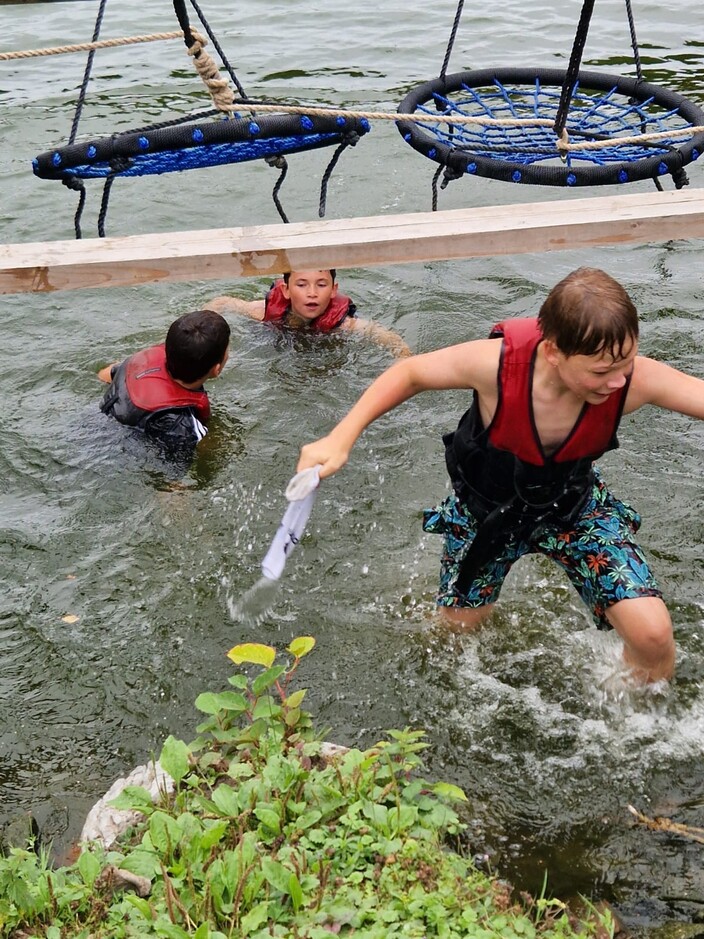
[454, 119]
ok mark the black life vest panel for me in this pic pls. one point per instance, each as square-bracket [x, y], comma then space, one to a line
[276, 306]
[142, 386]
[502, 473]
[506, 461]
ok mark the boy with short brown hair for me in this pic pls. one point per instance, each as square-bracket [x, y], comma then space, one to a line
[548, 397]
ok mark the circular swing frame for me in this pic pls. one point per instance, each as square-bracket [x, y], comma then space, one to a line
[461, 160]
[178, 147]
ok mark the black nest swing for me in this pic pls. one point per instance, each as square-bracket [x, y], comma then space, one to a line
[207, 139]
[553, 127]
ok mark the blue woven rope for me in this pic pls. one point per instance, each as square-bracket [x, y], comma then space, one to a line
[171, 161]
[589, 114]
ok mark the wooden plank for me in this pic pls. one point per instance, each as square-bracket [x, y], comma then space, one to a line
[265, 250]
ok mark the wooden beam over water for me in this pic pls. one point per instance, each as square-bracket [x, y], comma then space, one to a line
[226, 253]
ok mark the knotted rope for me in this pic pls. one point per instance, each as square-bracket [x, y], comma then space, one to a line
[218, 87]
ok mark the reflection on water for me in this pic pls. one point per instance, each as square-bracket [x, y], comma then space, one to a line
[148, 562]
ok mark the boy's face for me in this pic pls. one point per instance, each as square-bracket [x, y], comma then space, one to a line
[595, 377]
[309, 293]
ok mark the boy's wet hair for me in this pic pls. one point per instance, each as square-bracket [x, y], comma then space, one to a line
[195, 343]
[589, 312]
[332, 271]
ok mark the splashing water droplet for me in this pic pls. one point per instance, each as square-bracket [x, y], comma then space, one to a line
[255, 603]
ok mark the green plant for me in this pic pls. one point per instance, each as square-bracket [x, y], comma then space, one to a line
[264, 837]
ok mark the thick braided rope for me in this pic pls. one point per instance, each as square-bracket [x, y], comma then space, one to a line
[223, 98]
[218, 87]
[88, 46]
[562, 143]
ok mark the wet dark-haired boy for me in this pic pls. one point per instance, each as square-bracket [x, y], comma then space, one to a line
[548, 397]
[310, 300]
[160, 390]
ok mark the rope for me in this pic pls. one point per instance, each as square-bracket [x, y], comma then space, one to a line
[218, 48]
[88, 46]
[665, 824]
[573, 67]
[634, 41]
[451, 40]
[86, 73]
[421, 118]
[219, 89]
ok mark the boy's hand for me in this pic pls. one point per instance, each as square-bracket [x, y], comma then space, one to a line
[327, 452]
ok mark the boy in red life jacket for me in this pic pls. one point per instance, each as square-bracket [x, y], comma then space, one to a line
[160, 390]
[548, 397]
[310, 300]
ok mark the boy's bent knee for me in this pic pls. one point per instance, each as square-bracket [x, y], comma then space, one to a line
[645, 627]
[465, 618]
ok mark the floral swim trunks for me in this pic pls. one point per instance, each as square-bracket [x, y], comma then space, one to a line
[598, 553]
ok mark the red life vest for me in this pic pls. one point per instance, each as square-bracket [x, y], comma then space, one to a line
[151, 388]
[276, 306]
[513, 426]
[506, 462]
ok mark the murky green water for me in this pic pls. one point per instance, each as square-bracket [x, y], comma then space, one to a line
[92, 525]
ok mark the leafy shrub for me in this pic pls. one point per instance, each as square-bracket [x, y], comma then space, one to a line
[264, 837]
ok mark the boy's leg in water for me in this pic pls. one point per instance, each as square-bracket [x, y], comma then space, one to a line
[645, 627]
[464, 618]
[607, 567]
[466, 610]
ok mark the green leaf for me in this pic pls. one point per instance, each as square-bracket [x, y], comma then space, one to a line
[266, 679]
[164, 832]
[309, 818]
[269, 818]
[276, 874]
[254, 653]
[294, 700]
[294, 889]
[134, 797]
[256, 917]
[378, 814]
[266, 707]
[174, 758]
[213, 833]
[448, 791]
[139, 903]
[227, 800]
[89, 867]
[301, 646]
[144, 863]
[211, 703]
[292, 716]
[167, 929]
[239, 681]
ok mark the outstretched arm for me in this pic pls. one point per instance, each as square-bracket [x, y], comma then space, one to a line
[385, 337]
[469, 365]
[665, 387]
[224, 305]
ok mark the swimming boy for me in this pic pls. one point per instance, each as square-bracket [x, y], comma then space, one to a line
[160, 390]
[548, 397]
[310, 300]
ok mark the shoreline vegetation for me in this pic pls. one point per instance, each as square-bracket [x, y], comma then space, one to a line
[264, 835]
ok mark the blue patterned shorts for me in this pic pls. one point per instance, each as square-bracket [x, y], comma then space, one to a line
[598, 553]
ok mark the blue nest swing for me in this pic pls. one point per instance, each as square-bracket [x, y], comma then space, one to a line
[552, 127]
[195, 142]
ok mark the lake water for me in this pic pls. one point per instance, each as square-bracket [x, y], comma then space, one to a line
[118, 575]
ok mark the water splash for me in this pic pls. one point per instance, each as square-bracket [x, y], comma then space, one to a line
[255, 604]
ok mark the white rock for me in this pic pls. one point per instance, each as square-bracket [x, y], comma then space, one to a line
[105, 823]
